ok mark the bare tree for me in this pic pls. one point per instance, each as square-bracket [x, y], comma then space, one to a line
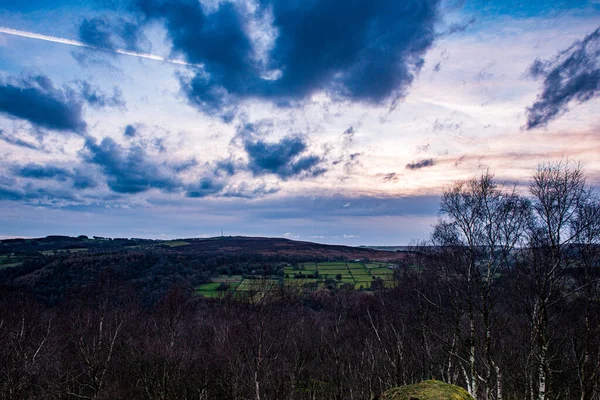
[484, 224]
[559, 191]
[586, 347]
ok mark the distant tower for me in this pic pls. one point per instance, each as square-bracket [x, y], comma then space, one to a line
[222, 233]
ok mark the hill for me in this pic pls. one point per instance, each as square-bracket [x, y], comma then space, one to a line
[51, 267]
[287, 247]
[232, 245]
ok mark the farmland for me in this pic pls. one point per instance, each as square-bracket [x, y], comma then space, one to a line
[307, 276]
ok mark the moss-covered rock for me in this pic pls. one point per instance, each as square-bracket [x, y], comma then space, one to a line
[427, 390]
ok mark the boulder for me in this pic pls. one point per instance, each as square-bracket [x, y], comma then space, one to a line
[426, 390]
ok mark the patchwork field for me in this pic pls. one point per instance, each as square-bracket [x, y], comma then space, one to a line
[306, 276]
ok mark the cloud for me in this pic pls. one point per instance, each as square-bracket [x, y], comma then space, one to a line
[391, 177]
[291, 235]
[247, 191]
[227, 167]
[35, 98]
[446, 125]
[16, 141]
[572, 76]
[107, 33]
[95, 98]
[180, 166]
[81, 180]
[367, 51]
[87, 59]
[129, 170]
[38, 171]
[429, 162]
[130, 131]
[286, 158]
[205, 187]
[79, 177]
[283, 158]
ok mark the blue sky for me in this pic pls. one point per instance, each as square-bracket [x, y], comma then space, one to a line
[326, 120]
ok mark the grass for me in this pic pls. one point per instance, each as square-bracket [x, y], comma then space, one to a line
[228, 278]
[353, 273]
[208, 287]
[212, 295]
[332, 268]
[49, 252]
[360, 273]
[374, 265]
[175, 243]
[2, 266]
[292, 273]
[357, 267]
[308, 265]
[382, 271]
[257, 284]
[333, 271]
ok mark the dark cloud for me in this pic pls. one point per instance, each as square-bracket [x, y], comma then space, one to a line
[348, 138]
[184, 165]
[129, 170]
[366, 50]
[38, 195]
[97, 99]
[227, 167]
[216, 40]
[205, 187]
[284, 158]
[572, 76]
[112, 33]
[130, 131]
[391, 177]
[10, 194]
[38, 171]
[352, 163]
[35, 98]
[287, 158]
[17, 141]
[80, 178]
[429, 162]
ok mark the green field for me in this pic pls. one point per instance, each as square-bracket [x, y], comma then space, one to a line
[381, 271]
[358, 274]
[50, 252]
[175, 243]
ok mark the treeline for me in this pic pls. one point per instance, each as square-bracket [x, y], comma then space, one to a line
[504, 300]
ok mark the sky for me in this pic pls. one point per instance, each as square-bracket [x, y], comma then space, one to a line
[334, 121]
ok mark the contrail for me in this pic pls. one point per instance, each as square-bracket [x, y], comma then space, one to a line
[53, 39]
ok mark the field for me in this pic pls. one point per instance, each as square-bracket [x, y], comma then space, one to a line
[305, 276]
